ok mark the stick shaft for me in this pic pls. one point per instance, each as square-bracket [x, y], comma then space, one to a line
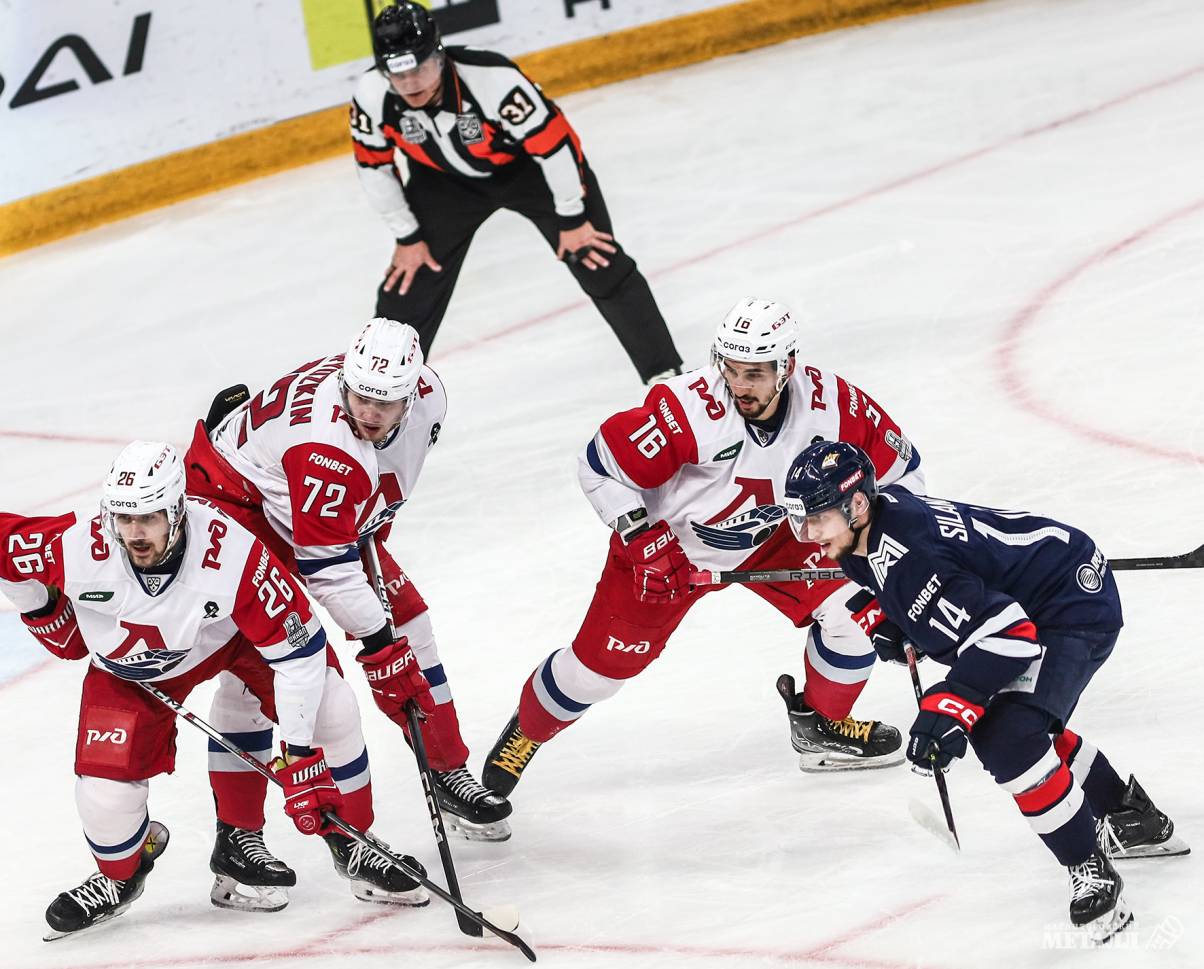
[419, 745]
[941, 788]
[334, 820]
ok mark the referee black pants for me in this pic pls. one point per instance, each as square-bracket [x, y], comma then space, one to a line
[450, 209]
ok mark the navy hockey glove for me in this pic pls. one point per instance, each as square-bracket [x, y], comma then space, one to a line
[886, 638]
[947, 714]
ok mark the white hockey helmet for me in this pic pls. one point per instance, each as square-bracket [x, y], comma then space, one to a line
[148, 476]
[756, 330]
[384, 361]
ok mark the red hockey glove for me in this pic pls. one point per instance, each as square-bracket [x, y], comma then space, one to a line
[947, 714]
[308, 790]
[395, 679]
[56, 628]
[659, 566]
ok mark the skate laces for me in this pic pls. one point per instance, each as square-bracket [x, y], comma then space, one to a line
[515, 752]
[250, 843]
[856, 729]
[463, 785]
[96, 892]
[364, 857]
[1086, 878]
[1107, 838]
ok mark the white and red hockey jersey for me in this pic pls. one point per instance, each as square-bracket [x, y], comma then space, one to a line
[690, 458]
[156, 627]
[324, 489]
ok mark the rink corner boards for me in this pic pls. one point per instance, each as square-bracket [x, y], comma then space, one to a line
[595, 61]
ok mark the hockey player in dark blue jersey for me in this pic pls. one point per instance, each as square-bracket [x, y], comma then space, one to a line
[1023, 610]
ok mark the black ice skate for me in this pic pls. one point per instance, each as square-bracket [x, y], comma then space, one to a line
[101, 898]
[831, 745]
[1137, 829]
[508, 759]
[1095, 898]
[470, 810]
[248, 876]
[373, 877]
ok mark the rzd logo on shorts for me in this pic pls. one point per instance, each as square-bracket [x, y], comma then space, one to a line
[106, 738]
[618, 646]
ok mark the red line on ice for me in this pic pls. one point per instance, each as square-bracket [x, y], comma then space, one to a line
[850, 201]
[334, 944]
[1011, 374]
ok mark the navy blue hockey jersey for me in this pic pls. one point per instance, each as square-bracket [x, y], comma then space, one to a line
[973, 587]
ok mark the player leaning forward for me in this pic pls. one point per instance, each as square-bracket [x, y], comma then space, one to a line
[317, 466]
[164, 590]
[694, 477]
[1023, 610]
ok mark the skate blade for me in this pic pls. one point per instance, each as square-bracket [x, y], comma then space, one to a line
[827, 762]
[495, 831]
[53, 935]
[1107, 926]
[1172, 847]
[365, 891]
[229, 893]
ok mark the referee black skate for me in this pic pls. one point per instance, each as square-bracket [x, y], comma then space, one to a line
[480, 136]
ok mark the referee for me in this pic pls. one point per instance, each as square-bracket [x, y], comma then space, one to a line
[479, 136]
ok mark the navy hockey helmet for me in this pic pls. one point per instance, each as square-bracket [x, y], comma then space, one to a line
[827, 475]
[403, 36]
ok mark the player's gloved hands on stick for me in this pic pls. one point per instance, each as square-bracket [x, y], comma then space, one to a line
[404, 266]
[660, 567]
[585, 245]
[947, 714]
[56, 628]
[393, 674]
[308, 789]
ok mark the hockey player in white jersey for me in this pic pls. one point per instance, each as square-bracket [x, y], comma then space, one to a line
[316, 466]
[694, 477]
[169, 591]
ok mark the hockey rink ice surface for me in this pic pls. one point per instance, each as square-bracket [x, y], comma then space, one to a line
[991, 218]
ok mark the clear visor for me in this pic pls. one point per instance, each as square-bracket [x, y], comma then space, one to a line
[796, 514]
[409, 76]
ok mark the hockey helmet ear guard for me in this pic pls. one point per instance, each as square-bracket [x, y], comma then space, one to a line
[827, 475]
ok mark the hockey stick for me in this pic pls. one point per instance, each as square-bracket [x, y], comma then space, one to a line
[1188, 560]
[937, 773]
[367, 840]
[419, 745]
[699, 577]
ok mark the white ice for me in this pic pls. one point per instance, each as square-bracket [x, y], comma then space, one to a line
[991, 218]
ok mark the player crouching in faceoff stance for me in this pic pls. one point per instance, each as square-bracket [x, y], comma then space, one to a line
[167, 590]
[1023, 610]
[694, 476]
[316, 466]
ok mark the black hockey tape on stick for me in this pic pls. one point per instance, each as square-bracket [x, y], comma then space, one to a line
[355, 834]
[937, 773]
[419, 745]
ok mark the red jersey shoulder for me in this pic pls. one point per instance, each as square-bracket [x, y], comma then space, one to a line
[32, 548]
[269, 605]
[651, 442]
[326, 485]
